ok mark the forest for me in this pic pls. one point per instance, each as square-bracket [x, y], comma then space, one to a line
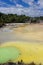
[14, 18]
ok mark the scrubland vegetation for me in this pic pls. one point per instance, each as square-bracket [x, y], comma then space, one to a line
[14, 18]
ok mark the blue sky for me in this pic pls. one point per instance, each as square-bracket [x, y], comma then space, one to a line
[27, 7]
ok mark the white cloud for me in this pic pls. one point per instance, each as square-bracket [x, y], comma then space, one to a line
[33, 10]
[30, 2]
[14, 1]
[4, 4]
[40, 3]
[21, 10]
[13, 10]
[18, 5]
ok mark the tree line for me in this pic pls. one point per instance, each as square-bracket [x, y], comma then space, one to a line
[14, 18]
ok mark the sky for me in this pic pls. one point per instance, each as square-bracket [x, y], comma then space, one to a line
[25, 7]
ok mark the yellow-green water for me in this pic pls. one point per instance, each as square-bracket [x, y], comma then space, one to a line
[29, 52]
[8, 54]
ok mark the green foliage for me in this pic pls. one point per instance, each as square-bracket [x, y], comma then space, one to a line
[41, 17]
[14, 18]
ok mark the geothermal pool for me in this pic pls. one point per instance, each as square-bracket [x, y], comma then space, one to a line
[27, 40]
[17, 51]
[8, 54]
